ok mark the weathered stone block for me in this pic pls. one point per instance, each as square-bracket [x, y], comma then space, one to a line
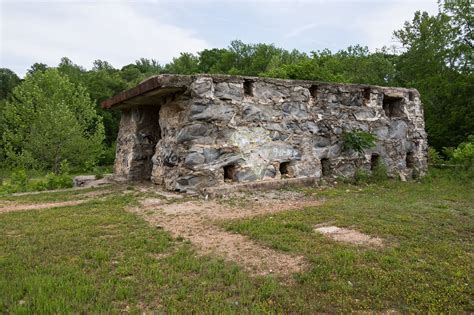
[192, 132]
[229, 91]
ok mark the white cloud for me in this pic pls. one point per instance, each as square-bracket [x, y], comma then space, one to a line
[380, 22]
[338, 23]
[121, 31]
[115, 32]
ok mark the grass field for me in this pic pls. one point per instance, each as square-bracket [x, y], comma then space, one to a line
[98, 258]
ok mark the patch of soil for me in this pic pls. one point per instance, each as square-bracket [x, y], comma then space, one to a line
[96, 193]
[37, 206]
[349, 236]
[196, 220]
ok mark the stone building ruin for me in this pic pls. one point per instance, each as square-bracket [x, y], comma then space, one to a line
[189, 133]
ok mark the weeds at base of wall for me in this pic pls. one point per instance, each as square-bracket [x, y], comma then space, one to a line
[362, 176]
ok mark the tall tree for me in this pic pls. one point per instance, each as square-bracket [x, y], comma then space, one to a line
[186, 63]
[437, 60]
[48, 120]
[8, 80]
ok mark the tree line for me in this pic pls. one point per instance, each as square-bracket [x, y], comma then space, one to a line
[53, 114]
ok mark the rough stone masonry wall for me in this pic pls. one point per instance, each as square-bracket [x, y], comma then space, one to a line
[237, 129]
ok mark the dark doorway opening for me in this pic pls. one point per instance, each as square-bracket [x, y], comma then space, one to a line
[325, 167]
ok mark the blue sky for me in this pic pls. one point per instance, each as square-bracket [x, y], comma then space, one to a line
[123, 31]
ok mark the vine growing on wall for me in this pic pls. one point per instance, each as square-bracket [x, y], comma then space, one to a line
[358, 141]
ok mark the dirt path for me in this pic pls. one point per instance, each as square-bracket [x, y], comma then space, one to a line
[10, 207]
[197, 220]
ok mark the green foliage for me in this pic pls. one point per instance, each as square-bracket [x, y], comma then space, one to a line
[434, 157]
[361, 176]
[377, 174]
[8, 80]
[20, 182]
[37, 67]
[352, 65]
[98, 173]
[358, 141]
[459, 160]
[437, 60]
[49, 119]
[464, 155]
[465, 151]
[186, 63]
[379, 171]
[108, 157]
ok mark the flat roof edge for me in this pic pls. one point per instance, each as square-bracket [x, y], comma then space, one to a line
[179, 81]
[149, 84]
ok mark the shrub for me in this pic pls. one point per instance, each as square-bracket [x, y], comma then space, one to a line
[19, 180]
[98, 173]
[358, 141]
[434, 157]
[376, 175]
[464, 153]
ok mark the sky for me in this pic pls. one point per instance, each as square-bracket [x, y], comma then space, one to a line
[124, 31]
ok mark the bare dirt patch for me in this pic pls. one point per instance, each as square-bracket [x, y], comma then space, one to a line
[97, 193]
[196, 220]
[349, 236]
[37, 206]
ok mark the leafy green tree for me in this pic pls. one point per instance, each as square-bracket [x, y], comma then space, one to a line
[37, 66]
[49, 120]
[186, 63]
[75, 73]
[438, 62]
[131, 74]
[102, 82]
[8, 80]
[210, 60]
[148, 66]
[352, 65]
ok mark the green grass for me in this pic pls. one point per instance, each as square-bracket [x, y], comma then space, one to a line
[98, 258]
[426, 265]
